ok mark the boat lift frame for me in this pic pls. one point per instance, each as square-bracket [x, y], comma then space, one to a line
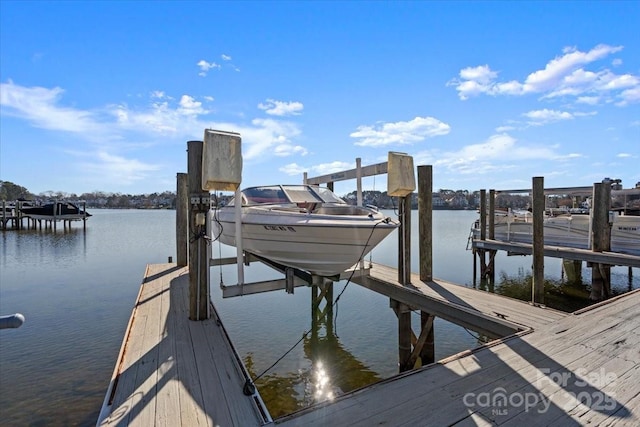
[293, 277]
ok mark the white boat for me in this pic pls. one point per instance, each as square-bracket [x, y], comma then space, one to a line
[568, 231]
[302, 226]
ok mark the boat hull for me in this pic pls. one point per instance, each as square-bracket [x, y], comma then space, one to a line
[320, 244]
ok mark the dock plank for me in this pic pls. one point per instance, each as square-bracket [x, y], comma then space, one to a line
[450, 299]
[173, 371]
[602, 338]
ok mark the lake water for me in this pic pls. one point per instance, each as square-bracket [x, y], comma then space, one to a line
[77, 288]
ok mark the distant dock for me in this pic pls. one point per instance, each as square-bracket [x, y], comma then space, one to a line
[14, 215]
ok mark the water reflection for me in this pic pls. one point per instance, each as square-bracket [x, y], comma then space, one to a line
[331, 369]
[563, 294]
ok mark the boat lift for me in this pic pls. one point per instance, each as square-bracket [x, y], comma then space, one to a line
[221, 170]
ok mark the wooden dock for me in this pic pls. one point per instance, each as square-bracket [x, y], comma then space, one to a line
[488, 313]
[176, 372]
[576, 370]
[554, 368]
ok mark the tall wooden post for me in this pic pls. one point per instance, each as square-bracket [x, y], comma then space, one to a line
[425, 238]
[425, 221]
[358, 181]
[404, 336]
[182, 219]
[428, 351]
[492, 236]
[404, 240]
[537, 288]
[601, 232]
[483, 236]
[198, 261]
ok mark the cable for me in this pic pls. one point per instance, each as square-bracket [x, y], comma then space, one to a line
[217, 220]
[249, 387]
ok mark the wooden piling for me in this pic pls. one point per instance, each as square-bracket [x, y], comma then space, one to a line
[426, 343]
[601, 240]
[428, 349]
[198, 254]
[425, 221]
[537, 287]
[182, 223]
[404, 240]
[483, 235]
[404, 336]
[492, 235]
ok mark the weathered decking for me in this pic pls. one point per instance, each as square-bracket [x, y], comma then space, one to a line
[489, 313]
[576, 370]
[553, 369]
[173, 371]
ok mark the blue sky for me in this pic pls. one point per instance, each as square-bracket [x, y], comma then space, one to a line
[104, 95]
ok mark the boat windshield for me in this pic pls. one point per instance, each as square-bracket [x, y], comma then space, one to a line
[279, 194]
[264, 195]
[328, 196]
[301, 194]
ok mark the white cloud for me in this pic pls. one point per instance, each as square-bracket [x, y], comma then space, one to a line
[326, 168]
[558, 68]
[163, 120]
[41, 107]
[629, 96]
[502, 129]
[589, 100]
[281, 108]
[158, 94]
[500, 152]
[539, 117]
[264, 137]
[189, 106]
[400, 133]
[481, 74]
[225, 57]
[316, 170]
[116, 169]
[545, 116]
[284, 150]
[292, 169]
[206, 66]
[563, 76]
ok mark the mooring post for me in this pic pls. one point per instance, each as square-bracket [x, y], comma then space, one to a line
[198, 261]
[428, 351]
[601, 232]
[425, 221]
[404, 240]
[492, 236]
[537, 287]
[404, 335]
[182, 219]
[359, 181]
[425, 238]
[483, 236]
